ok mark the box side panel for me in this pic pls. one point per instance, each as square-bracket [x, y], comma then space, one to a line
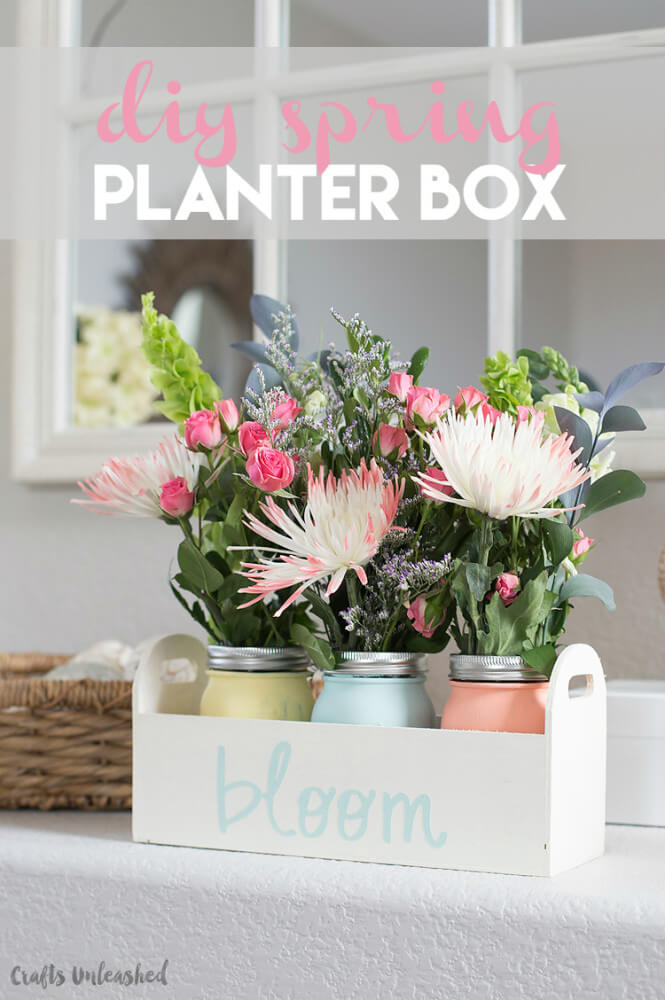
[400, 796]
[576, 741]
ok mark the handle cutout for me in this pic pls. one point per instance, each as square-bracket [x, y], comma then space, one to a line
[580, 686]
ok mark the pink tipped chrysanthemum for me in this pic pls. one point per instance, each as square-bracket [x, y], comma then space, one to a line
[501, 469]
[132, 486]
[343, 524]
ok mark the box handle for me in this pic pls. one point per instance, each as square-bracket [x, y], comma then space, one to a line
[576, 661]
[151, 694]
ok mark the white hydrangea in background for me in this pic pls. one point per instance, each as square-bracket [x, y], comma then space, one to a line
[111, 376]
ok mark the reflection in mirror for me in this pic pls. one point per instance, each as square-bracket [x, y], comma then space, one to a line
[204, 285]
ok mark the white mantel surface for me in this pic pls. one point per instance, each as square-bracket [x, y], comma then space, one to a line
[74, 890]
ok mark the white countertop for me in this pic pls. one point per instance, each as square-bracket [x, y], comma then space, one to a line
[75, 890]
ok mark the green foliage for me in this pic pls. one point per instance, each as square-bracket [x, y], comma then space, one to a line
[318, 650]
[176, 367]
[507, 382]
[510, 627]
[417, 364]
[541, 658]
[583, 585]
[614, 488]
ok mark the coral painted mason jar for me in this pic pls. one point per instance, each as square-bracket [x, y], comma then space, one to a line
[257, 683]
[376, 689]
[495, 694]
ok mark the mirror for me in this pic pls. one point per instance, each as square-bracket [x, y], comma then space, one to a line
[204, 285]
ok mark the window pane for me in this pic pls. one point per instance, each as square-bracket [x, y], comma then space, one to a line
[544, 20]
[375, 22]
[138, 22]
[600, 302]
[414, 293]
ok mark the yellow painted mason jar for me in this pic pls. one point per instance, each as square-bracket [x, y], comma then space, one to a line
[254, 683]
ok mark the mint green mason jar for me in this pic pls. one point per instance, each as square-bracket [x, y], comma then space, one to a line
[376, 689]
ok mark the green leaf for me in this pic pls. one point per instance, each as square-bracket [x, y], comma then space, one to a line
[317, 649]
[417, 364]
[614, 488]
[510, 627]
[583, 585]
[541, 659]
[326, 614]
[623, 418]
[537, 367]
[480, 578]
[198, 570]
[559, 539]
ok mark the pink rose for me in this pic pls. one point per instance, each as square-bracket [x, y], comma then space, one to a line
[507, 586]
[202, 430]
[426, 404]
[270, 469]
[524, 412]
[252, 435]
[286, 412]
[228, 415]
[439, 475]
[583, 543]
[491, 412]
[176, 498]
[470, 397]
[416, 614]
[391, 439]
[399, 385]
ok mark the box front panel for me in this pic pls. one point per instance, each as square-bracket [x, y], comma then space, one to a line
[402, 796]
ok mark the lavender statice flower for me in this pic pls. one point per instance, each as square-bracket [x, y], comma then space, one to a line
[279, 352]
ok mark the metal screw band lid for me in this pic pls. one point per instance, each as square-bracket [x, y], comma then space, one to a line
[364, 664]
[258, 658]
[491, 669]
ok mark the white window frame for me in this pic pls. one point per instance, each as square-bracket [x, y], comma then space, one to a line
[45, 448]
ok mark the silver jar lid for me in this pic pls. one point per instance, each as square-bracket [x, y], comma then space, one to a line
[491, 669]
[257, 658]
[362, 664]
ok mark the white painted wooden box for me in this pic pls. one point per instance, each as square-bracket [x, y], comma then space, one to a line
[496, 802]
[636, 752]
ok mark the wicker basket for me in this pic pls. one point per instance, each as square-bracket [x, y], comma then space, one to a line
[63, 744]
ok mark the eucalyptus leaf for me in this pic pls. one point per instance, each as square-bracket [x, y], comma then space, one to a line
[322, 357]
[197, 569]
[541, 659]
[583, 585]
[628, 379]
[559, 539]
[623, 418]
[252, 349]
[571, 423]
[591, 400]
[263, 309]
[318, 650]
[273, 379]
[608, 491]
[417, 363]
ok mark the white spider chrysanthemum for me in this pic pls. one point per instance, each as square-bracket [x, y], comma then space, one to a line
[132, 486]
[502, 470]
[343, 524]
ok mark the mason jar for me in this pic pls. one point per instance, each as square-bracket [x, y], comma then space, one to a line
[376, 689]
[495, 694]
[248, 682]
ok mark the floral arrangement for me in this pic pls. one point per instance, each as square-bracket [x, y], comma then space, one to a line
[111, 375]
[342, 505]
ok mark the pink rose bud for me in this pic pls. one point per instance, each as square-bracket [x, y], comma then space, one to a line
[470, 397]
[286, 412]
[176, 498]
[228, 415]
[252, 435]
[391, 439]
[416, 614]
[491, 412]
[425, 404]
[203, 430]
[399, 385]
[270, 469]
[583, 543]
[433, 472]
[507, 586]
